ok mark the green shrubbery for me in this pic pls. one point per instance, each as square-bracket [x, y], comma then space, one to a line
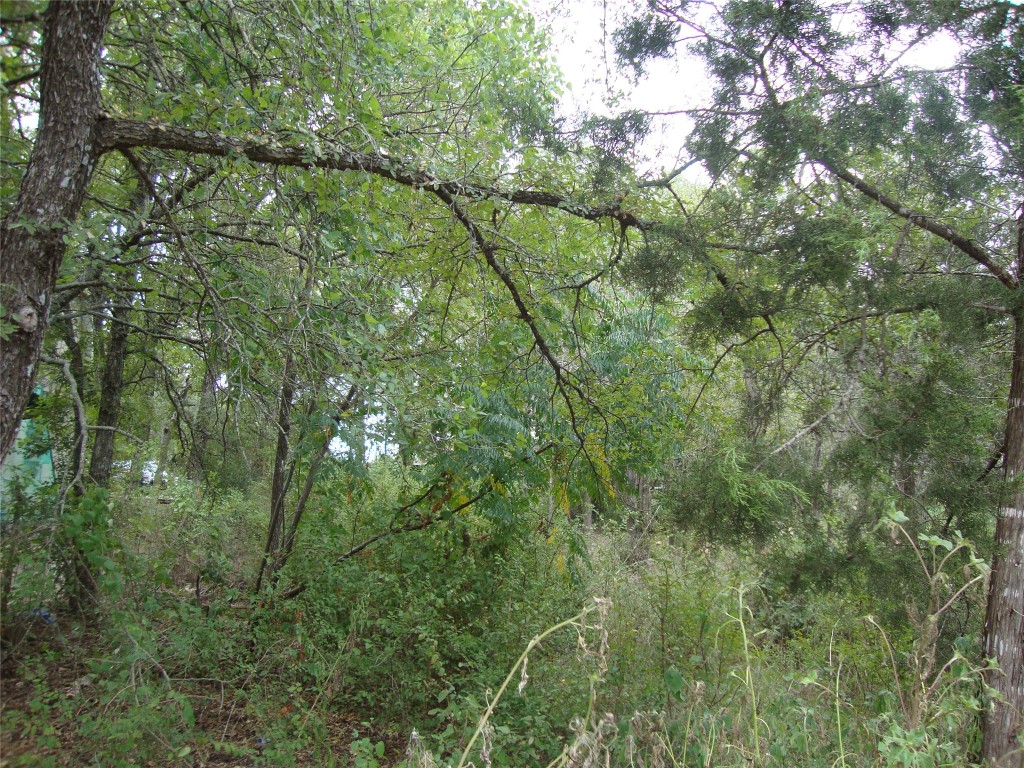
[696, 657]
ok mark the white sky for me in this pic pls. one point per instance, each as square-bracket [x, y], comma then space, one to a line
[581, 31]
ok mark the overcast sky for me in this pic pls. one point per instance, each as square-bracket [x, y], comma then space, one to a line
[580, 32]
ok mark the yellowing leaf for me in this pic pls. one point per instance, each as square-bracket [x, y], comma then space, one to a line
[563, 498]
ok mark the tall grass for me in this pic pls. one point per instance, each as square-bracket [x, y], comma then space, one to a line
[696, 678]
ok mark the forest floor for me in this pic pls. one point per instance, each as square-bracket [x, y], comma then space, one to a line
[41, 706]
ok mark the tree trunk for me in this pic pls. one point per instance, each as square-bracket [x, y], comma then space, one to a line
[71, 467]
[288, 546]
[203, 426]
[282, 473]
[583, 512]
[300, 506]
[755, 407]
[161, 460]
[51, 193]
[638, 501]
[102, 461]
[1004, 619]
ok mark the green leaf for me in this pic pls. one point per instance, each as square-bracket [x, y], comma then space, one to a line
[674, 682]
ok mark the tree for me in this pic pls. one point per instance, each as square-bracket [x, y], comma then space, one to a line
[60, 167]
[800, 104]
[316, 147]
[427, 151]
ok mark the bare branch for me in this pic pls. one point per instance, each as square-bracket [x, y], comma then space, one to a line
[417, 525]
[14, 82]
[321, 153]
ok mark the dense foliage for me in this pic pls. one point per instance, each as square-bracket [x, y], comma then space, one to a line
[396, 416]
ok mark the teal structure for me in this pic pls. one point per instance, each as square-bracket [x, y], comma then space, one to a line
[29, 465]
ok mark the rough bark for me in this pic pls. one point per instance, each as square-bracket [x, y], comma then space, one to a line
[71, 137]
[128, 134]
[1004, 619]
[67, 148]
[51, 194]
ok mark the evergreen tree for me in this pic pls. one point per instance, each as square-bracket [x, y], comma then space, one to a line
[813, 96]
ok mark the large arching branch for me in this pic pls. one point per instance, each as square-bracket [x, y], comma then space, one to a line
[927, 223]
[322, 153]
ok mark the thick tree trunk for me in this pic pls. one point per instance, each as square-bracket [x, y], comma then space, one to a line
[102, 462]
[1004, 620]
[51, 193]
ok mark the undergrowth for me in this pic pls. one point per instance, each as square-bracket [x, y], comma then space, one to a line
[456, 636]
